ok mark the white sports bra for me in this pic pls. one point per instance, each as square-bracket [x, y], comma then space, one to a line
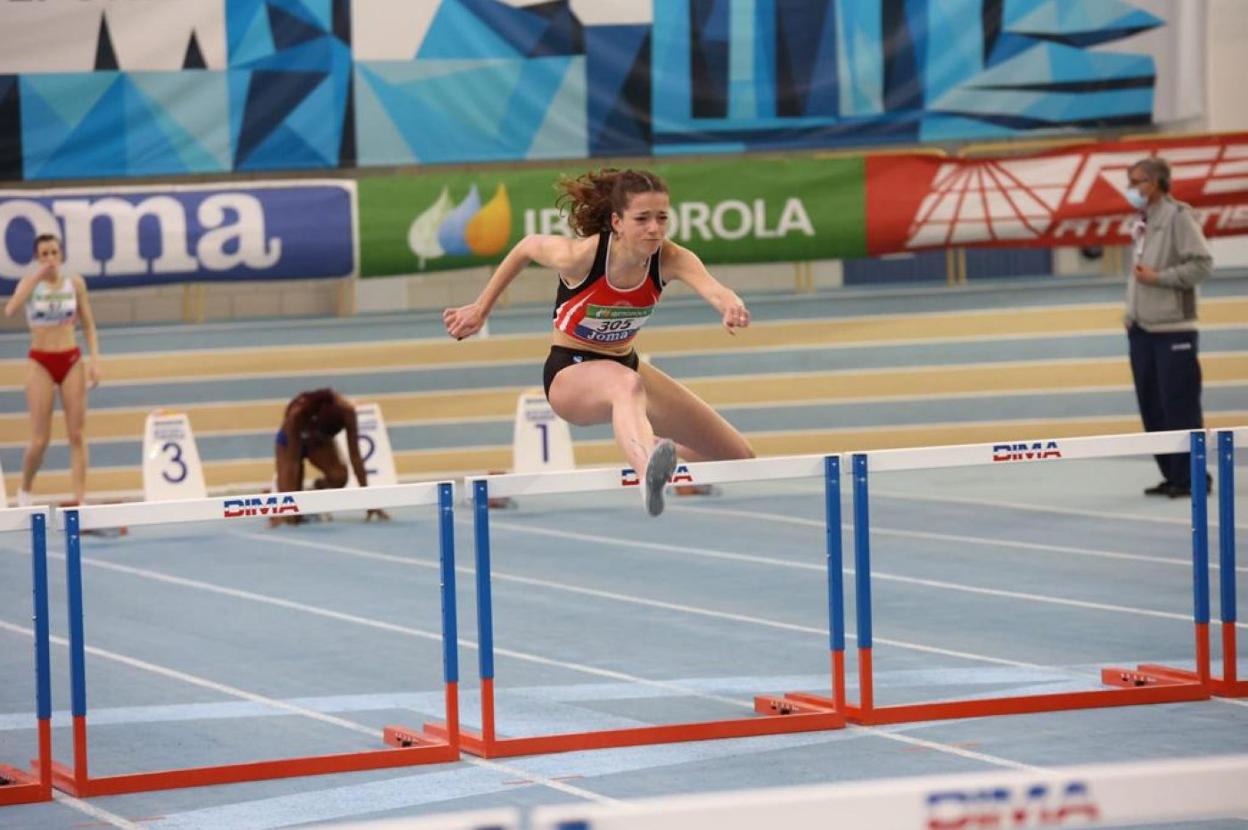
[52, 305]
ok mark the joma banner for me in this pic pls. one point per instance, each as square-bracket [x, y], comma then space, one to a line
[1073, 196]
[757, 210]
[117, 237]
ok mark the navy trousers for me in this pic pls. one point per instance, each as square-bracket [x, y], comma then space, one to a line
[1167, 387]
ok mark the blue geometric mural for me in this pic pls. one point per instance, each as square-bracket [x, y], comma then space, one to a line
[484, 80]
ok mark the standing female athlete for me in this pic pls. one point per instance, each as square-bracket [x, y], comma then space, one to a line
[611, 277]
[54, 300]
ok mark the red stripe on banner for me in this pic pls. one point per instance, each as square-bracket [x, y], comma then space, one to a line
[1069, 196]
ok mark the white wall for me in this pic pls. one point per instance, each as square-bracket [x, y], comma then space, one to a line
[1227, 99]
[1227, 66]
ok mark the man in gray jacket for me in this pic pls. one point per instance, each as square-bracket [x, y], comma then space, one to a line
[1170, 258]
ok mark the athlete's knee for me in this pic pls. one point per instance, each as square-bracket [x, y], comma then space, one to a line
[76, 438]
[629, 386]
[39, 441]
[334, 479]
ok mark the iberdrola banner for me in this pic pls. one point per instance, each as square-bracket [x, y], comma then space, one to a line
[753, 210]
[1072, 196]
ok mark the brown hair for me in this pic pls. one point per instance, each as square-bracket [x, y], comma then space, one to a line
[46, 237]
[592, 197]
[1157, 169]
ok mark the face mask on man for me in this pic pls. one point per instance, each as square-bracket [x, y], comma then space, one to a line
[1137, 199]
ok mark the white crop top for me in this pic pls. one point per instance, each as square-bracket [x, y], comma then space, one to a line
[52, 305]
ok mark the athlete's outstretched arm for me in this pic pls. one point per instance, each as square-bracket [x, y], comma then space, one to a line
[569, 256]
[680, 263]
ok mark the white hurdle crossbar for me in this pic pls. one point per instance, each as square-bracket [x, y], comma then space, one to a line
[1044, 449]
[613, 478]
[1102, 795]
[185, 511]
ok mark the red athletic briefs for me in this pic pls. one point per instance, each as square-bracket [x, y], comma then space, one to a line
[58, 364]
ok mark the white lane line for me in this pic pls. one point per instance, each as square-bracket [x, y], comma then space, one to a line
[204, 683]
[951, 537]
[523, 774]
[409, 423]
[393, 628]
[643, 601]
[880, 575]
[1061, 511]
[285, 706]
[97, 813]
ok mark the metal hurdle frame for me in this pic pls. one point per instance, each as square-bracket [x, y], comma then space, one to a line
[418, 748]
[1128, 687]
[29, 787]
[1229, 684]
[778, 716]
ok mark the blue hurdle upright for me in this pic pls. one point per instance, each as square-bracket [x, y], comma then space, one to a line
[18, 786]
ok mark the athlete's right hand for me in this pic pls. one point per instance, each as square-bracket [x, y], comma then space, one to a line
[464, 321]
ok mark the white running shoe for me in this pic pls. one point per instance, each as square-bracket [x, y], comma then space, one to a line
[23, 498]
[659, 469]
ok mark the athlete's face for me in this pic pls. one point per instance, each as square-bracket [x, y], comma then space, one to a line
[48, 251]
[644, 223]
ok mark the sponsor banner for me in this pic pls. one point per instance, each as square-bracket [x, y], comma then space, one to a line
[1072, 196]
[118, 237]
[755, 210]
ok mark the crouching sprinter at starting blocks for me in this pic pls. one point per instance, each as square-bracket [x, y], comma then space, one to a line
[311, 421]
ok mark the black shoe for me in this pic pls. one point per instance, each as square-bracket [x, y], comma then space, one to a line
[1163, 489]
[1185, 490]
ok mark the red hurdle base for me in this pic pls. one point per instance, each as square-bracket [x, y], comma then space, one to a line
[786, 715]
[1228, 685]
[17, 787]
[21, 787]
[1134, 687]
[417, 749]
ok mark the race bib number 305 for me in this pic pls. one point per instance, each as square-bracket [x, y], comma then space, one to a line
[612, 324]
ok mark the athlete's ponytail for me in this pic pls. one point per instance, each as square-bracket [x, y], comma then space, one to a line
[592, 197]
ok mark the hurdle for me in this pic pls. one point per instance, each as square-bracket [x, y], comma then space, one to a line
[1139, 793]
[1228, 684]
[1128, 687]
[787, 716]
[16, 785]
[420, 748]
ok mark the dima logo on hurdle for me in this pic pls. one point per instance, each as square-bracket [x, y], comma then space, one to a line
[629, 477]
[1037, 451]
[1036, 805]
[259, 506]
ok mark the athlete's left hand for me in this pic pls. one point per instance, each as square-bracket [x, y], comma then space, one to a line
[378, 514]
[464, 321]
[93, 374]
[736, 316]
